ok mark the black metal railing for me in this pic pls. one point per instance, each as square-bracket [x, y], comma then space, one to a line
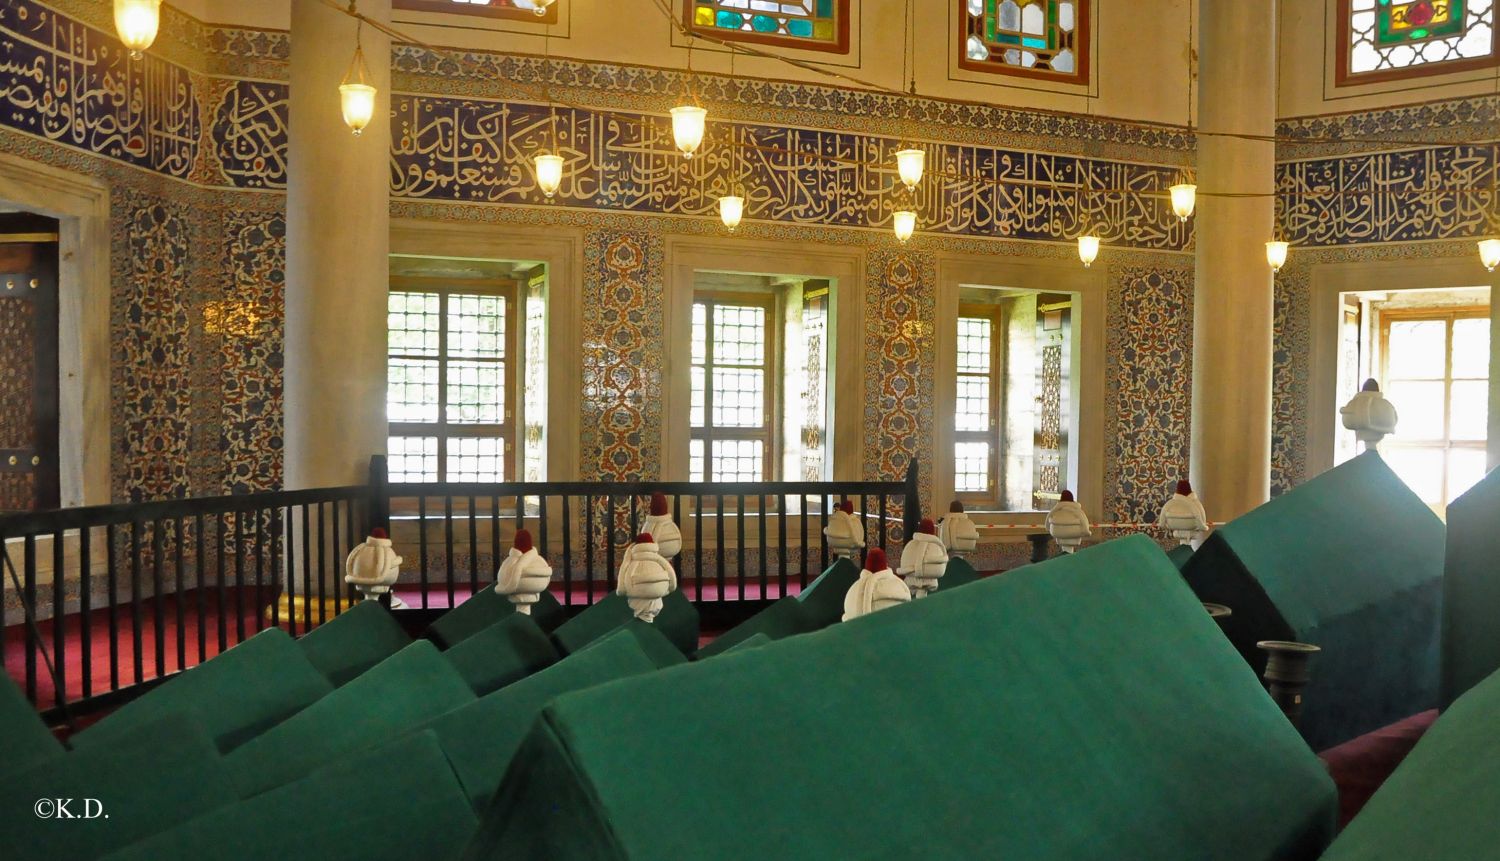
[740, 540]
[136, 592]
[154, 587]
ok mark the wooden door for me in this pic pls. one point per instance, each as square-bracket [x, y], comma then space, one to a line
[28, 362]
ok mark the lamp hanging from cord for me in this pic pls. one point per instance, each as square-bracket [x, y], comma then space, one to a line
[356, 94]
[136, 23]
[1489, 253]
[910, 160]
[548, 164]
[1088, 240]
[1184, 199]
[1276, 251]
[732, 205]
[689, 118]
[905, 223]
[539, 7]
[1185, 192]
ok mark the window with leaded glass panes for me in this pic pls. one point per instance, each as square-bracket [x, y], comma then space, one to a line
[1382, 40]
[523, 10]
[1435, 367]
[451, 374]
[733, 383]
[977, 403]
[815, 25]
[1030, 38]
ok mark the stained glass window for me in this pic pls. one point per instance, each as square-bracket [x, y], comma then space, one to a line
[818, 25]
[1388, 39]
[524, 10]
[1035, 38]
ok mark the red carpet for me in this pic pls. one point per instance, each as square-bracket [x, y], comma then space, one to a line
[107, 670]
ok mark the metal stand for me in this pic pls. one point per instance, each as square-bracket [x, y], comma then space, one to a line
[1287, 672]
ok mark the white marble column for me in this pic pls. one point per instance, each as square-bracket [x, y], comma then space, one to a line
[1232, 296]
[338, 242]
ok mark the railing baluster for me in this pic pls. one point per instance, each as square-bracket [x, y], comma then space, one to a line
[448, 543]
[200, 571]
[111, 576]
[28, 597]
[764, 551]
[721, 552]
[239, 575]
[802, 551]
[422, 543]
[220, 598]
[473, 549]
[823, 534]
[609, 545]
[59, 620]
[542, 544]
[740, 549]
[179, 598]
[322, 566]
[588, 549]
[635, 517]
[567, 548]
[495, 532]
[277, 565]
[137, 659]
[307, 561]
[351, 538]
[781, 561]
[85, 608]
[158, 598]
[698, 547]
[260, 569]
[882, 521]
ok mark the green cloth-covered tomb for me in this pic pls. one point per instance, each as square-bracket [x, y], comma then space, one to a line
[404, 690]
[1086, 707]
[1352, 562]
[353, 641]
[511, 649]
[678, 620]
[1441, 802]
[237, 694]
[1471, 589]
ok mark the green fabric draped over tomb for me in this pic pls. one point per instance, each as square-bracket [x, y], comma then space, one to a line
[1352, 562]
[511, 649]
[406, 689]
[147, 780]
[1440, 804]
[236, 695]
[1471, 589]
[482, 737]
[484, 609]
[678, 621]
[24, 739]
[1082, 708]
[401, 799]
[354, 641]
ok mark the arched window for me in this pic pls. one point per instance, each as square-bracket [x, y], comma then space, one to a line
[815, 25]
[1384, 40]
[1030, 38]
[523, 10]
